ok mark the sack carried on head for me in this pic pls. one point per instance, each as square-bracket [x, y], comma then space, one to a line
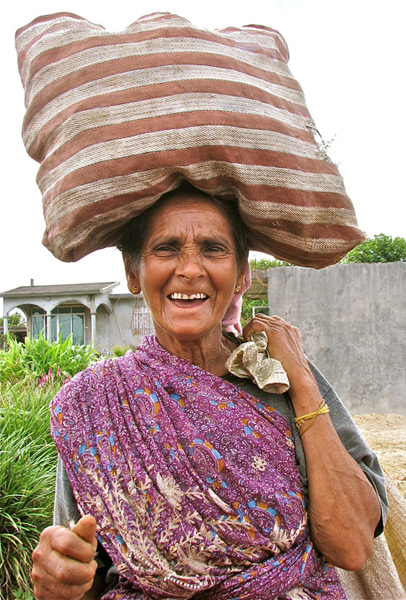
[118, 119]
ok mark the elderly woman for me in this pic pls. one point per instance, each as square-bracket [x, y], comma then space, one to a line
[198, 484]
[192, 482]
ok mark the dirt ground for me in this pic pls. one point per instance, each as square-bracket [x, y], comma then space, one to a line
[387, 436]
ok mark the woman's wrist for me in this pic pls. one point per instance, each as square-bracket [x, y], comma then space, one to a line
[304, 393]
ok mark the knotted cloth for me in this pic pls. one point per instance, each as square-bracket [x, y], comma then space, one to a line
[193, 483]
[118, 119]
[251, 360]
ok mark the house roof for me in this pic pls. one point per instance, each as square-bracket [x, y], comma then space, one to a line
[61, 290]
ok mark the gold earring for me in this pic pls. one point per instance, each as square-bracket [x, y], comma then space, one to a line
[237, 289]
[134, 290]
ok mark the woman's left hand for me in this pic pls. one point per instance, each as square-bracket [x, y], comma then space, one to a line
[284, 344]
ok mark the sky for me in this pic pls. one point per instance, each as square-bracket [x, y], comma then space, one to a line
[348, 56]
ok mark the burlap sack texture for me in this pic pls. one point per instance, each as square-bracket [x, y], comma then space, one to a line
[118, 119]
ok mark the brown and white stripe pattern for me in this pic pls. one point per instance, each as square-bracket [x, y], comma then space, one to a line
[118, 119]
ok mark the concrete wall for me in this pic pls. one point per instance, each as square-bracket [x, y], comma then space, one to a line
[102, 340]
[121, 321]
[353, 322]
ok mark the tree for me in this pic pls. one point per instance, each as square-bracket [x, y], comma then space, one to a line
[381, 248]
[14, 319]
[267, 263]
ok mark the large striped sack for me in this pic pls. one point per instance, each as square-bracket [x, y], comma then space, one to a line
[118, 119]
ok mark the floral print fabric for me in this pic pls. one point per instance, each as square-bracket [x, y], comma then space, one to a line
[193, 483]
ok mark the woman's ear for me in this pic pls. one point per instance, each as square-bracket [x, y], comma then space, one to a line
[244, 278]
[131, 273]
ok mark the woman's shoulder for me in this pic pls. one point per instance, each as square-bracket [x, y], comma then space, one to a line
[84, 403]
[98, 374]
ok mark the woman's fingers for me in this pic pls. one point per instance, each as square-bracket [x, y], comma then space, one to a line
[276, 328]
[69, 544]
[50, 589]
[63, 562]
[85, 528]
[284, 340]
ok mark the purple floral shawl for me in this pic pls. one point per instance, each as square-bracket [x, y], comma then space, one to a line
[193, 482]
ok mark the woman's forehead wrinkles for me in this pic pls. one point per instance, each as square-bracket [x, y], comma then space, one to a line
[192, 234]
[189, 223]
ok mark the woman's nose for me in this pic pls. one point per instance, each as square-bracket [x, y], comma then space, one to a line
[190, 265]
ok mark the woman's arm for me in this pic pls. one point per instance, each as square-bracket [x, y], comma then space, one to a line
[343, 507]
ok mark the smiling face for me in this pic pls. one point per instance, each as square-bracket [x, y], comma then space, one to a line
[188, 269]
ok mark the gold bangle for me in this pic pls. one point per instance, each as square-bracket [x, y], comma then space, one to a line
[322, 410]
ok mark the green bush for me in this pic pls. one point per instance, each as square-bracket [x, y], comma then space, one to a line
[39, 358]
[27, 474]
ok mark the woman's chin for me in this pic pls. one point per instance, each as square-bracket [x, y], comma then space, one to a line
[185, 334]
[187, 330]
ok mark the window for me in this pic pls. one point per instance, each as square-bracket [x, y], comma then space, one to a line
[39, 323]
[142, 321]
[68, 321]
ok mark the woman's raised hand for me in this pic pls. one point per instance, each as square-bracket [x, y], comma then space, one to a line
[63, 562]
[284, 344]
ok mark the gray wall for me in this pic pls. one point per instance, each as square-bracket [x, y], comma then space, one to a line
[102, 341]
[121, 320]
[353, 322]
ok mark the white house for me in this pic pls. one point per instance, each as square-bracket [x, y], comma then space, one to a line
[90, 312]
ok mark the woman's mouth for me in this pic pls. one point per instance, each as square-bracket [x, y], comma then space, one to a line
[181, 299]
[180, 296]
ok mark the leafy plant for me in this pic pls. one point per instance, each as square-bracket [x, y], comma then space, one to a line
[30, 375]
[38, 357]
[27, 473]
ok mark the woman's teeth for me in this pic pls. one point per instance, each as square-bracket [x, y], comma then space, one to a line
[179, 296]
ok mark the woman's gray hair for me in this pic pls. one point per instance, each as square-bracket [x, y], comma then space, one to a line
[132, 237]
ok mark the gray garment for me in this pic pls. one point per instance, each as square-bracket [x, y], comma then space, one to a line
[65, 507]
[66, 510]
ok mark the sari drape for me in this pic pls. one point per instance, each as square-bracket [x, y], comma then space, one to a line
[193, 482]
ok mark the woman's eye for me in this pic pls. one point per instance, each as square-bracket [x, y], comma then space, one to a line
[214, 249]
[165, 249]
